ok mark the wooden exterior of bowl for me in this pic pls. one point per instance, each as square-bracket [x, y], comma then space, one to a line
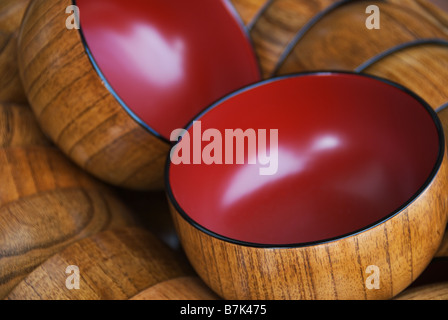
[248, 10]
[113, 265]
[422, 68]
[18, 127]
[76, 110]
[11, 14]
[401, 247]
[339, 40]
[443, 249]
[276, 26]
[46, 203]
[438, 291]
[442, 112]
[184, 288]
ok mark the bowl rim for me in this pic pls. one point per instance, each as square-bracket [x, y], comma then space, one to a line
[239, 22]
[399, 48]
[288, 50]
[431, 177]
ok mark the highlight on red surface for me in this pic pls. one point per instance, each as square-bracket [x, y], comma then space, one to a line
[352, 151]
[167, 60]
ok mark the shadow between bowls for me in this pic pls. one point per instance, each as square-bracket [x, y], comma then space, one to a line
[395, 229]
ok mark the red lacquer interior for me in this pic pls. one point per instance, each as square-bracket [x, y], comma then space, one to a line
[351, 151]
[167, 60]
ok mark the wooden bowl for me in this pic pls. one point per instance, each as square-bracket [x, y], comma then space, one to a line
[421, 66]
[279, 23]
[340, 40]
[360, 181]
[18, 127]
[443, 250]
[46, 203]
[11, 14]
[437, 291]
[110, 94]
[114, 265]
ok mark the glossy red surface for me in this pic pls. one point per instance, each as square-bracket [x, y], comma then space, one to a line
[167, 60]
[351, 151]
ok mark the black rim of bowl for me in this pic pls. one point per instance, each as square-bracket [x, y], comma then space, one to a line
[128, 110]
[398, 48]
[412, 199]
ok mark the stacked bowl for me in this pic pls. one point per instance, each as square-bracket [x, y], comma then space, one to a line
[296, 149]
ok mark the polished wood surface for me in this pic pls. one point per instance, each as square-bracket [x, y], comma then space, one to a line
[278, 24]
[400, 247]
[341, 41]
[426, 8]
[11, 88]
[46, 202]
[18, 127]
[184, 288]
[248, 9]
[443, 249]
[54, 214]
[443, 116]
[437, 291]
[91, 128]
[113, 265]
[422, 68]
[11, 14]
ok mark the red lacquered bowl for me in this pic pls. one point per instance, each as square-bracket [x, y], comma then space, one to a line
[358, 182]
[110, 94]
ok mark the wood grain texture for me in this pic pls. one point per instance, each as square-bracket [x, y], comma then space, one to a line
[427, 8]
[114, 265]
[442, 112]
[18, 127]
[184, 288]
[47, 203]
[11, 14]
[443, 116]
[423, 68]
[341, 41]
[401, 247]
[248, 9]
[278, 25]
[11, 88]
[443, 249]
[430, 292]
[76, 110]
